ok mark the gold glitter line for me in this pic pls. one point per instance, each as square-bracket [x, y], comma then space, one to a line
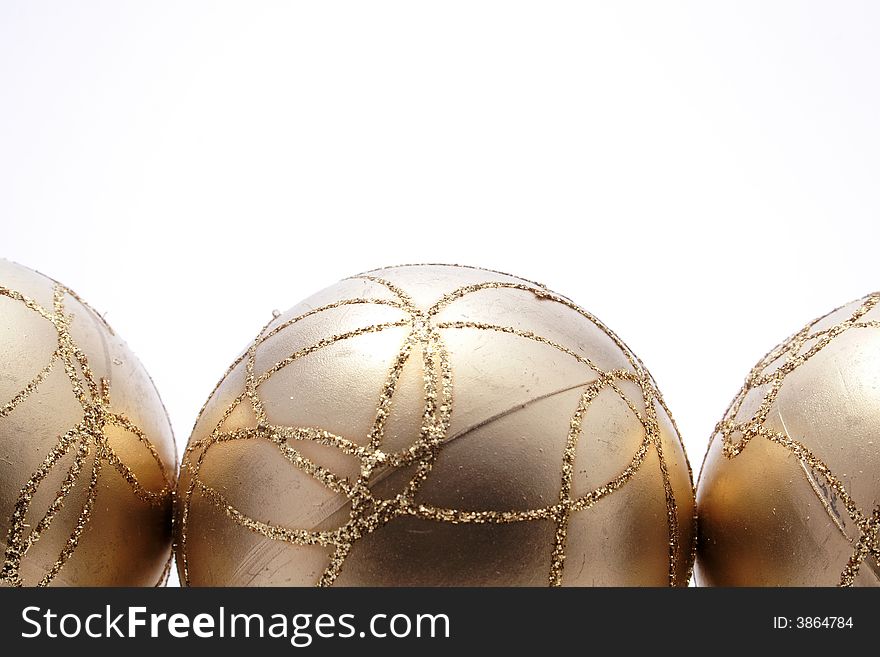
[331, 572]
[81, 523]
[465, 517]
[868, 324]
[310, 434]
[458, 516]
[279, 440]
[450, 266]
[378, 430]
[70, 353]
[465, 290]
[801, 451]
[325, 308]
[27, 301]
[157, 498]
[557, 559]
[274, 532]
[692, 548]
[821, 497]
[250, 382]
[166, 571]
[522, 334]
[671, 505]
[15, 545]
[98, 394]
[187, 499]
[652, 434]
[67, 485]
[375, 328]
[406, 301]
[585, 501]
[867, 545]
[122, 422]
[29, 388]
[434, 426]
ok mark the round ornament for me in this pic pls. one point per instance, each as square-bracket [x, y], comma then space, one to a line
[435, 425]
[789, 493]
[87, 458]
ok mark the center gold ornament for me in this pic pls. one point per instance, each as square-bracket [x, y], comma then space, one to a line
[435, 425]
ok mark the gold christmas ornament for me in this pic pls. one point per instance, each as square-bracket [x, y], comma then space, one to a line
[435, 425]
[789, 493]
[87, 458]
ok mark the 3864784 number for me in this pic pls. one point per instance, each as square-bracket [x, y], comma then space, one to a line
[823, 622]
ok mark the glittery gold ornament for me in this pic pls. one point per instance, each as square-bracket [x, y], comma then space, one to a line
[87, 457]
[435, 425]
[789, 492]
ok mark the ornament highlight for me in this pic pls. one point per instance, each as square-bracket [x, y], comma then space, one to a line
[789, 492]
[87, 458]
[435, 425]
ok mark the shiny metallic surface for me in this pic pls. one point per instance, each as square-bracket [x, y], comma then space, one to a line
[789, 493]
[438, 426]
[87, 456]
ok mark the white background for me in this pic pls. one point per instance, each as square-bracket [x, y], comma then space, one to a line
[702, 176]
